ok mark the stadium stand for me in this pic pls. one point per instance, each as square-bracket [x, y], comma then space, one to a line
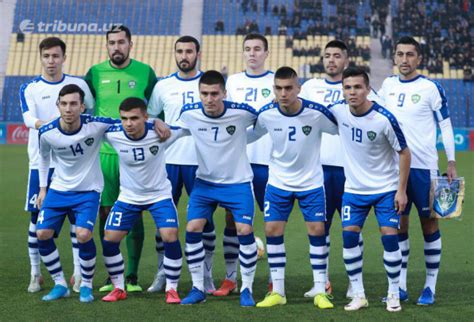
[82, 25]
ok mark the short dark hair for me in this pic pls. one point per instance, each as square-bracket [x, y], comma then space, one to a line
[188, 39]
[71, 89]
[354, 72]
[212, 77]
[254, 35]
[407, 40]
[115, 29]
[336, 43]
[51, 42]
[130, 103]
[285, 72]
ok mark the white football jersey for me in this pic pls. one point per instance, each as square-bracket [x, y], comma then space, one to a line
[294, 163]
[169, 96]
[220, 141]
[143, 177]
[370, 143]
[418, 104]
[38, 99]
[325, 92]
[256, 91]
[76, 155]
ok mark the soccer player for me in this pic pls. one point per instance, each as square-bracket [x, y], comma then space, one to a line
[223, 178]
[143, 186]
[73, 142]
[326, 91]
[169, 95]
[38, 103]
[111, 82]
[420, 104]
[370, 139]
[295, 127]
[254, 87]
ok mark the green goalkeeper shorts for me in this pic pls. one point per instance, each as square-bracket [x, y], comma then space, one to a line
[110, 169]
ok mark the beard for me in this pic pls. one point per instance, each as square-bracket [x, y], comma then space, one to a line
[119, 59]
[190, 67]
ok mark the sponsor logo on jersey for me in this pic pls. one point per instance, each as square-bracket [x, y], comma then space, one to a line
[154, 149]
[89, 141]
[278, 129]
[371, 135]
[415, 98]
[202, 129]
[230, 129]
[344, 124]
[132, 84]
[45, 97]
[266, 92]
[306, 129]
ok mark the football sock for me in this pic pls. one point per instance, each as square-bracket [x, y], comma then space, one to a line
[392, 259]
[113, 261]
[328, 247]
[404, 244]
[194, 251]
[87, 257]
[352, 256]
[33, 251]
[231, 253]
[50, 257]
[432, 259]
[209, 243]
[134, 243]
[318, 257]
[173, 261]
[75, 250]
[277, 262]
[248, 260]
[160, 251]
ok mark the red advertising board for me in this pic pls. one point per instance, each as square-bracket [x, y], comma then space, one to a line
[471, 140]
[17, 134]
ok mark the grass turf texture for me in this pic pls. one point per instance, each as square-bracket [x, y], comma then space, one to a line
[455, 291]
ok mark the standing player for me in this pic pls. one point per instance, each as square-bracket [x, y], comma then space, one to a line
[370, 139]
[143, 186]
[420, 103]
[111, 82]
[253, 87]
[223, 178]
[38, 103]
[169, 96]
[73, 142]
[295, 127]
[326, 91]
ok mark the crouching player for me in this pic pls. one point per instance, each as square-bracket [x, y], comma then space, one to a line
[73, 142]
[370, 137]
[143, 186]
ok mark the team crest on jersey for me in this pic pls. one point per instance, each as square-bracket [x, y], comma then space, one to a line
[266, 92]
[89, 141]
[306, 129]
[371, 135]
[415, 98]
[132, 84]
[154, 149]
[230, 129]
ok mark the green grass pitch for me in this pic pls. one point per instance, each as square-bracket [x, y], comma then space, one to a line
[455, 291]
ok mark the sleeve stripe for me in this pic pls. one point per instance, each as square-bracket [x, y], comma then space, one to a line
[23, 104]
[396, 127]
[443, 112]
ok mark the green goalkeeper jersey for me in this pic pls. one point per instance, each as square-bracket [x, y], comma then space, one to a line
[110, 86]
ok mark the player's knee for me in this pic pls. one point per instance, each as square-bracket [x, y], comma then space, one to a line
[83, 235]
[113, 236]
[229, 220]
[169, 235]
[385, 230]
[355, 229]
[273, 229]
[195, 226]
[44, 234]
[244, 229]
[429, 225]
[316, 229]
